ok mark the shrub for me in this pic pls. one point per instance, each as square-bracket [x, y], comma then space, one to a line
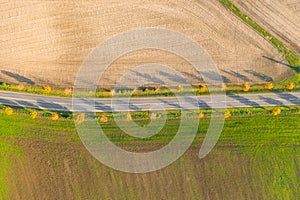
[128, 116]
[112, 93]
[227, 114]
[8, 111]
[80, 118]
[269, 86]
[4, 85]
[201, 115]
[54, 116]
[33, 114]
[21, 87]
[103, 119]
[290, 86]
[153, 116]
[179, 88]
[68, 91]
[224, 86]
[246, 87]
[276, 111]
[47, 89]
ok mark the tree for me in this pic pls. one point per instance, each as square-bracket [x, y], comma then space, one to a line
[269, 86]
[290, 86]
[179, 88]
[276, 111]
[103, 119]
[227, 114]
[128, 116]
[33, 114]
[21, 87]
[153, 116]
[8, 111]
[203, 88]
[201, 115]
[224, 86]
[47, 89]
[54, 116]
[68, 91]
[80, 118]
[246, 87]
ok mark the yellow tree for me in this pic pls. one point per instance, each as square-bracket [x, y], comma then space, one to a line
[290, 86]
[203, 88]
[47, 89]
[227, 114]
[269, 86]
[8, 111]
[201, 115]
[103, 119]
[246, 87]
[276, 111]
[128, 116]
[80, 118]
[54, 116]
[33, 114]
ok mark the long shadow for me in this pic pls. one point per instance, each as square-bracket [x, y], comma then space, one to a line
[225, 79]
[276, 61]
[197, 102]
[245, 101]
[176, 106]
[238, 75]
[173, 77]
[122, 102]
[262, 77]
[149, 78]
[296, 68]
[92, 104]
[8, 102]
[27, 104]
[51, 106]
[291, 98]
[211, 75]
[193, 76]
[271, 101]
[18, 77]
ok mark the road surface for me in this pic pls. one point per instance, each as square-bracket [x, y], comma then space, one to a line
[141, 104]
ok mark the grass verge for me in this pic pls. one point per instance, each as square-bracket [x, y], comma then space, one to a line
[270, 143]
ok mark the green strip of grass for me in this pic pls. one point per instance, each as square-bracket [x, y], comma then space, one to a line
[271, 142]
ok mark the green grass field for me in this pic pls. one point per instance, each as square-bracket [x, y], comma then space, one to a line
[257, 157]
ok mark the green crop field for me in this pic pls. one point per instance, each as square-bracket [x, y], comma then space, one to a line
[257, 157]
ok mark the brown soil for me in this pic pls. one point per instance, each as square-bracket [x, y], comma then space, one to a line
[44, 42]
[281, 18]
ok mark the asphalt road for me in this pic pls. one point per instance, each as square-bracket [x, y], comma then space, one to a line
[141, 104]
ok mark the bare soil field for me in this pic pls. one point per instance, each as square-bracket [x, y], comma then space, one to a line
[280, 18]
[44, 42]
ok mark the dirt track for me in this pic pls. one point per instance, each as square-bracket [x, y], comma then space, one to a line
[44, 42]
[281, 18]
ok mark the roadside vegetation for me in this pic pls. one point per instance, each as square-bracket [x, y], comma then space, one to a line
[290, 85]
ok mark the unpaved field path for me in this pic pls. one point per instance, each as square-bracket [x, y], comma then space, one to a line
[44, 42]
[280, 17]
